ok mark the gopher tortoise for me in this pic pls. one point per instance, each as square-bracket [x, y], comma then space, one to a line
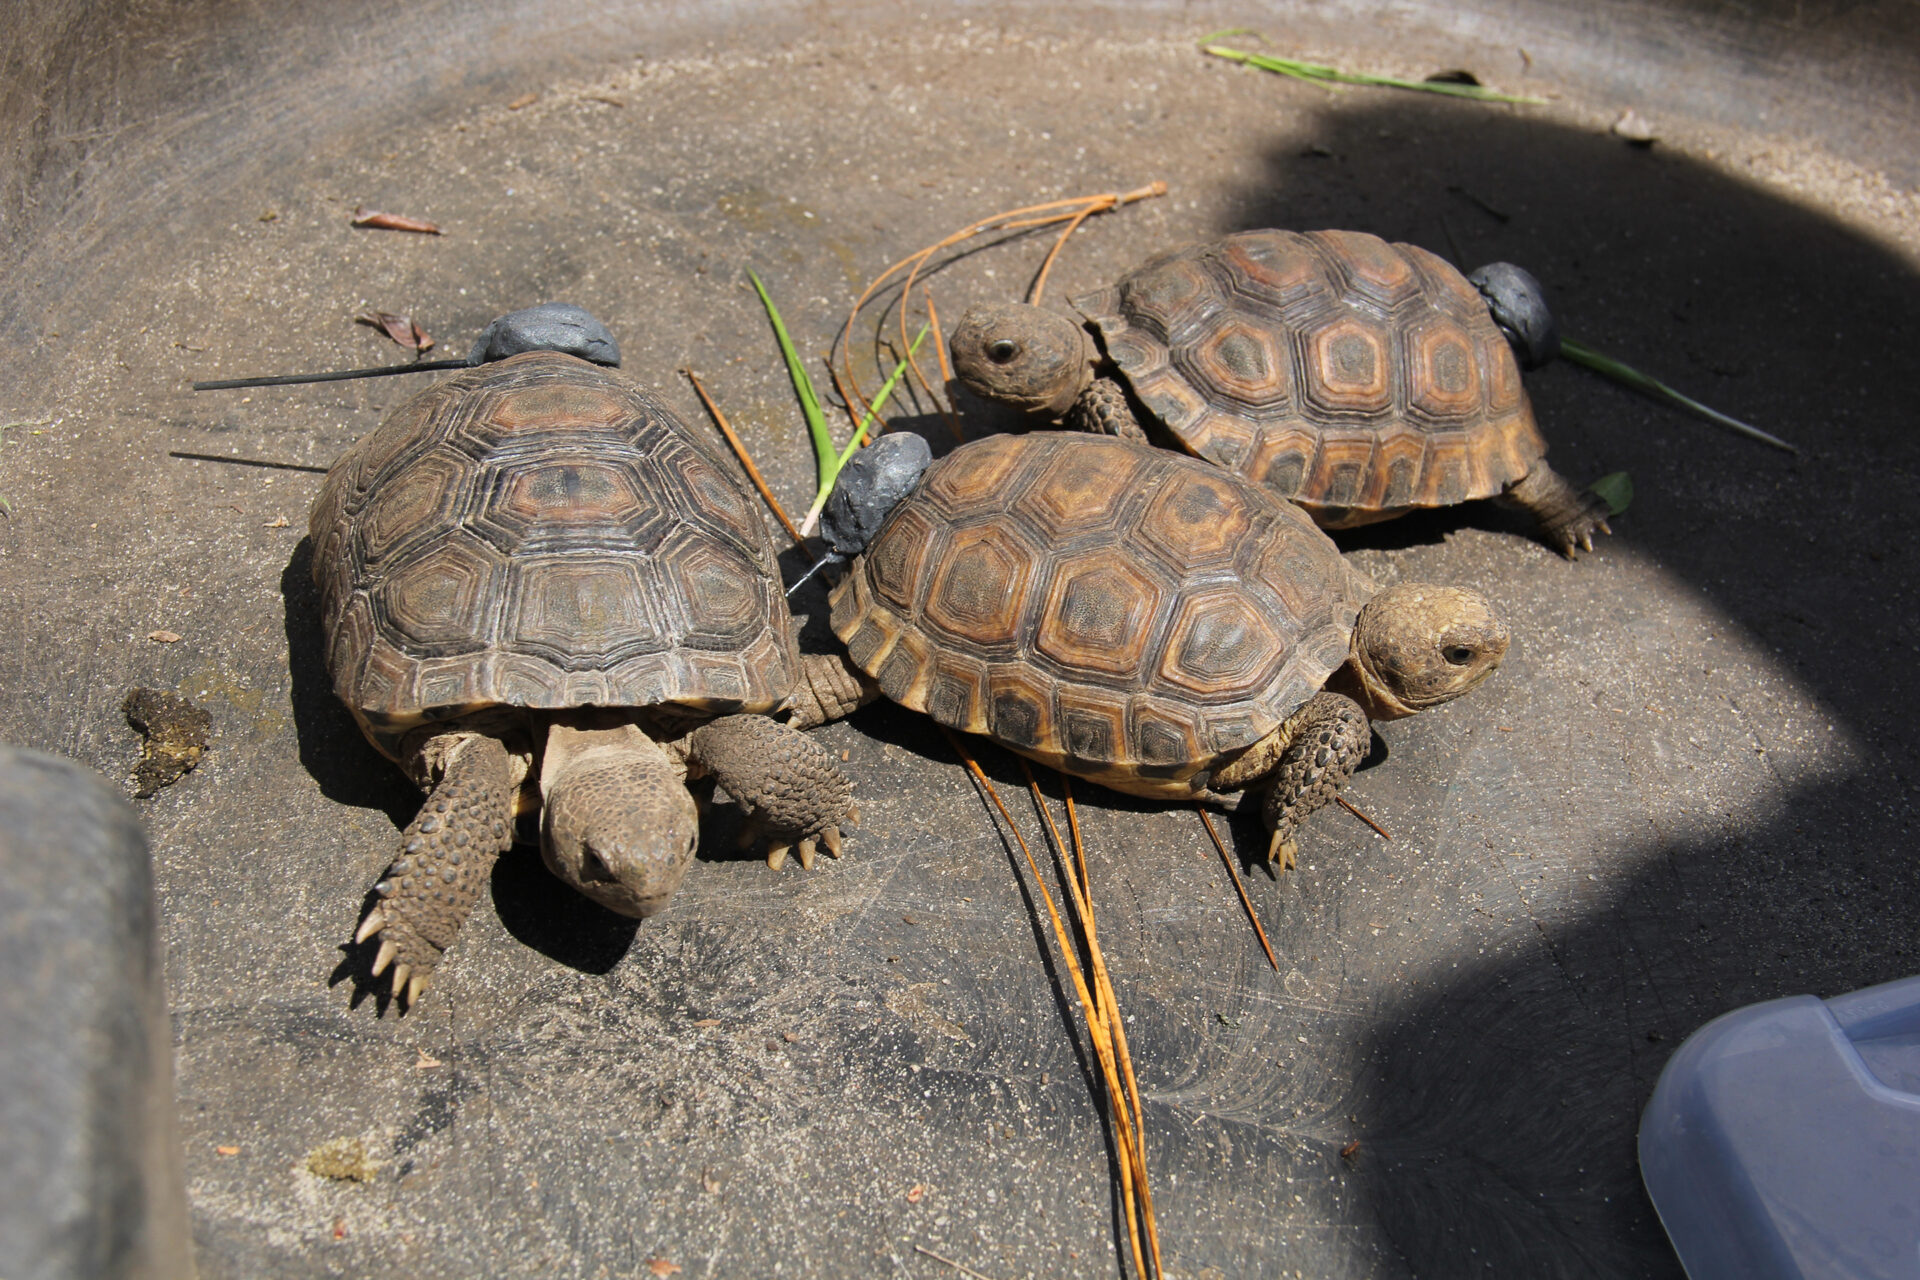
[1359, 378]
[542, 592]
[1143, 620]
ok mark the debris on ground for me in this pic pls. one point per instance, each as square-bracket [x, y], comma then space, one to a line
[1634, 128]
[175, 732]
[378, 221]
[402, 328]
[343, 1160]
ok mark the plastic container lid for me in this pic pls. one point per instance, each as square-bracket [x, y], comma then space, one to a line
[1783, 1140]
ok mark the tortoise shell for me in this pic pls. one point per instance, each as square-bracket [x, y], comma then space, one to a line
[539, 532]
[1116, 611]
[1356, 377]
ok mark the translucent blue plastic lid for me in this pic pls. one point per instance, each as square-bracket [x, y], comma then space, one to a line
[1783, 1140]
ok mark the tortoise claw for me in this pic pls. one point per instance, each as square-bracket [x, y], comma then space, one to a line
[401, 972]
[749, 834]
[376, 921]
[1282, 851]
[806, 851]
[415, 985]
[777, 856]
[830, 841]
[853, 816]
[388, 951]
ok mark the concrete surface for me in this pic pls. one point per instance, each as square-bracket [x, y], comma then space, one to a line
[1691, 787]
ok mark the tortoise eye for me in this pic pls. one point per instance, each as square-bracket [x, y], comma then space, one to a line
[1002, 350]
[1458, 655]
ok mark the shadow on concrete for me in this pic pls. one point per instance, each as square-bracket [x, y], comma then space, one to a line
[545, 913]
[332, 749]
[1500, 1106]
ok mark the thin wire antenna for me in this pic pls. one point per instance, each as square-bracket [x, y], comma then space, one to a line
[338, 375]
[831, 557]
[246, 462]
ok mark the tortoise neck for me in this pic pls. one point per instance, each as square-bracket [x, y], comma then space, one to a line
[1358, 682]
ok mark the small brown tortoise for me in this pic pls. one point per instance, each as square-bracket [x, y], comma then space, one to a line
[541, 591]
[1146, 621]
[1359, 378]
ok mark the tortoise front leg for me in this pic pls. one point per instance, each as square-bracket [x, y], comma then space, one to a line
[1568, 517]
[1301, 764]
[1103, 410]
[791, 787]
[446, 853]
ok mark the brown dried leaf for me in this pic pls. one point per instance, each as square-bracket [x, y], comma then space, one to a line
[707, 1022]
[365, 217]
[164, 637]
[278, 522]
[527, 100]
[227, 1151]
[661, 1267]
[401, 328]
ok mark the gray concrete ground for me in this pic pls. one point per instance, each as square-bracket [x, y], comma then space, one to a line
[1691, 787]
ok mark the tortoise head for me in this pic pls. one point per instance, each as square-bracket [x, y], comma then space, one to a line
[1033, 360]
[617, 822]
[1519, 308]
[551, 326]
[1416, 646]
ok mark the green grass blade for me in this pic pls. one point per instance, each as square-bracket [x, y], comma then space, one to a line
[823, 455]
[1627, 375]
[1321, 73]
[866, 420]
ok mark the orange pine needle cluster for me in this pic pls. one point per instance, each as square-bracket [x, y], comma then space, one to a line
[1098, 1004]
[1072, 212]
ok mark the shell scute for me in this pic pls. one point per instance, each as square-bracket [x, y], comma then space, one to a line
[1221, 647]
[1196, 520]
[980, 584]
[1100, 615]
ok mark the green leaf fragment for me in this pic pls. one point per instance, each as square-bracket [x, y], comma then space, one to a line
[1627, 375]
[1616, 490]
[823, 454]
[1320, 73]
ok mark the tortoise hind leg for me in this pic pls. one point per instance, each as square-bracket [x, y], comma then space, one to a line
[1103, 410]
[446, 853]
[830, 687]
[791, 787]
[1568, 517]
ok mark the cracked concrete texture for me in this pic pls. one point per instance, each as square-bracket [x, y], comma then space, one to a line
[1690, 787]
